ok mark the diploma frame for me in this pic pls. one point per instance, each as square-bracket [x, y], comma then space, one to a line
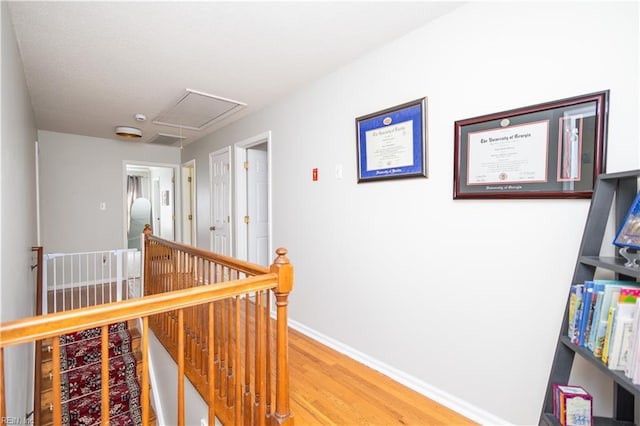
[391, 143]
[551, 150]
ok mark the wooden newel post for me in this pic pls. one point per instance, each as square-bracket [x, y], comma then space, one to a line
[283, 268]
[147, 259]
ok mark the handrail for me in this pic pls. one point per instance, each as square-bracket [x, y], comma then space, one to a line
[232, 365]
[240, 265]
[37, 359]
[41, 327]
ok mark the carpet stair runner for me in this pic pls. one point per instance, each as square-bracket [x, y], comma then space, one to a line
[80, 355]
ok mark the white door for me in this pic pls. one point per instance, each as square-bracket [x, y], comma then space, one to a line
[188, 204]
[219, 165]
[258, 207]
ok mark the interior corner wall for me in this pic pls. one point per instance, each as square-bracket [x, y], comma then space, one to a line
[165, 372]
[466, 296]
[168, 204]
[17, 219]
[77, 174]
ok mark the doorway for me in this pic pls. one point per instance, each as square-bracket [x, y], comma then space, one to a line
[149, 198]
[253, 199]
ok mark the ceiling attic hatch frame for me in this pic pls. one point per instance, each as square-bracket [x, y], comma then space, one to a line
[166, 139]
[197, 110]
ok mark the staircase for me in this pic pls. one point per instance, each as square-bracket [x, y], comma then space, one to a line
[192, 303]
[80, 355]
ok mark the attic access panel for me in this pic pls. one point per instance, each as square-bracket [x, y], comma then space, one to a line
[197, 110]
[166, 139]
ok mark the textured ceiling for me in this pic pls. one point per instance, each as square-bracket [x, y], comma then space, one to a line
[91, 66]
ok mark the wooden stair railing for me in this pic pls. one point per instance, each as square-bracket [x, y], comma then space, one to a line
[249, 366]
[204, 325]
[37, 382]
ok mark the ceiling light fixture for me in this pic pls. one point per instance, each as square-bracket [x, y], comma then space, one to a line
[128, 132]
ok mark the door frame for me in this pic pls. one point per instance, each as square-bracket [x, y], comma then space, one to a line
[227, 150]
[191, 164]
[240, 150]
[177, 195]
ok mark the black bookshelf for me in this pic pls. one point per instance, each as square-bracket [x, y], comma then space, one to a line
[613, 192]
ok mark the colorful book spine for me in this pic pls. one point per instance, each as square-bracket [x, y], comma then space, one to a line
[610, 298]
[587, 310]
[576, 295]
[607, 337]
[629, 295]
[595, 321]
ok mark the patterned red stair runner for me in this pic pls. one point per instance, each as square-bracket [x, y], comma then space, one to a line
[81, 378]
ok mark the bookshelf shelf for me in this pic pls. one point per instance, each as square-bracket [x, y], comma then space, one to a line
[615, 264]
[618, 376]
[597, 421]
[613, 193]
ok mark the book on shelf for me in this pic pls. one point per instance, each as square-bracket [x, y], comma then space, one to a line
[572, 405]
[598, 293]
[632, 356]
[628, 234]
[629, 294]
[620, 334]
[587, 313]
[575, 310]
[635, 363]
[607, 336]
[609, 298]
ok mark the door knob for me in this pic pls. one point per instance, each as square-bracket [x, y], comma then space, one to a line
[212, 228]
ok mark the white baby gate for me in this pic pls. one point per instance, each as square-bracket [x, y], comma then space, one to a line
[78, 280]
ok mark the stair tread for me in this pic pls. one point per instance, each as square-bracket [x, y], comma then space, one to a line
[46, 353]
[132, 325]
[94, 368]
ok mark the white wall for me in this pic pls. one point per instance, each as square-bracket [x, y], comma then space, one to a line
[17, 218]
[77, 173]
[464, 296]
[166, 387]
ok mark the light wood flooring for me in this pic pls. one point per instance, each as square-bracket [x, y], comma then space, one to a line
[328, 388]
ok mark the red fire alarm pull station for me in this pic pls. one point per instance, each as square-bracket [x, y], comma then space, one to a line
[315, 174]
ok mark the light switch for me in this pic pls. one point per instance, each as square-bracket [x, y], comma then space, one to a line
[103, 205]
[338, 171]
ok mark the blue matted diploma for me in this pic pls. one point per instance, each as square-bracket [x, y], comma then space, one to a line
[392, 142]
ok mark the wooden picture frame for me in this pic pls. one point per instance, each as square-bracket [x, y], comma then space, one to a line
[551, 150]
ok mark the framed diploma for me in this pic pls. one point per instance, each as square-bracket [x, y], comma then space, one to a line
[551, 150]
[392, 143]
[629, 233]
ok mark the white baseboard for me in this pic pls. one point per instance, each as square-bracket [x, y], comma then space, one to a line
[456, 404]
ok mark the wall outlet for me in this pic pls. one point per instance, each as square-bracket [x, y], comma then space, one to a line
[203, 422]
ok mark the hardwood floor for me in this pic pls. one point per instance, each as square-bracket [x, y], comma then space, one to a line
[328, 388]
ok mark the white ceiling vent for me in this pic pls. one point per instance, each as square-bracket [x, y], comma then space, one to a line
[196, 110]
[166, 139]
